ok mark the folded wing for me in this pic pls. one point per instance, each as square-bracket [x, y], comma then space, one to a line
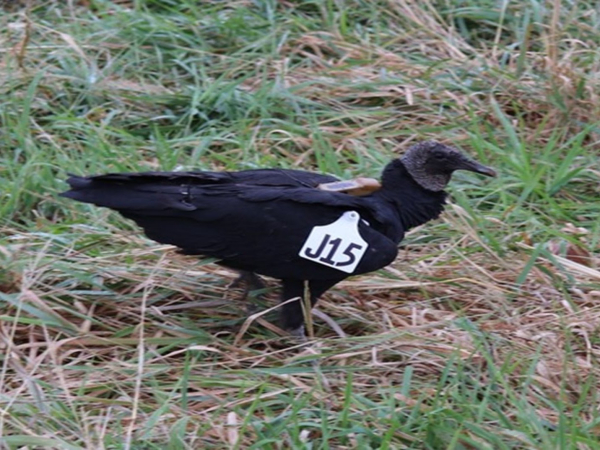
[249, 220]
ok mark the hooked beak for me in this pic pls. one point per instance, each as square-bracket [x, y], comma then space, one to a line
[474, 166]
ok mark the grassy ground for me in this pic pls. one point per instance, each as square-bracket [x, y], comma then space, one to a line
[484, 334]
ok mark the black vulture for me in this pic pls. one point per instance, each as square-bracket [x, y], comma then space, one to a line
[276, 222]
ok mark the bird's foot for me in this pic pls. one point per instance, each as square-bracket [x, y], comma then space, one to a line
[251, 308]
[299, 334]
[253, 287]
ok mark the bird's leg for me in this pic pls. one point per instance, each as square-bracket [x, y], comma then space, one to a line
[252, 283]
[292, 314]
[250, 280]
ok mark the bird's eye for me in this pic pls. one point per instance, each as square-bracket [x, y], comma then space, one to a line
[439, 155]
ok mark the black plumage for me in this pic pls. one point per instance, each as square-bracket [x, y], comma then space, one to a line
[258, 220]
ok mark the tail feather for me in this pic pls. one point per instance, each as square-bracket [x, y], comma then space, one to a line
[123, 193]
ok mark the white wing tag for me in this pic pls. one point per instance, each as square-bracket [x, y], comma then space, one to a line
[336, 245]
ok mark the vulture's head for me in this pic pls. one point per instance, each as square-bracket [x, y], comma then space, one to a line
[431, 164]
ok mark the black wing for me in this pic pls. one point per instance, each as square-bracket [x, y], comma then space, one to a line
[248, 226]
[254, 177]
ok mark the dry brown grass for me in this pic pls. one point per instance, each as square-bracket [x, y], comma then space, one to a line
[434, 305]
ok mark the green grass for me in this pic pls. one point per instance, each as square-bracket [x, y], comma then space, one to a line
[482, 335]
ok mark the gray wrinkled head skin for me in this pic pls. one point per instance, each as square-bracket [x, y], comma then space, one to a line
[431, 164]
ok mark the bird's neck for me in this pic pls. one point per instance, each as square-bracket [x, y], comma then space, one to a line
[414, 204]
